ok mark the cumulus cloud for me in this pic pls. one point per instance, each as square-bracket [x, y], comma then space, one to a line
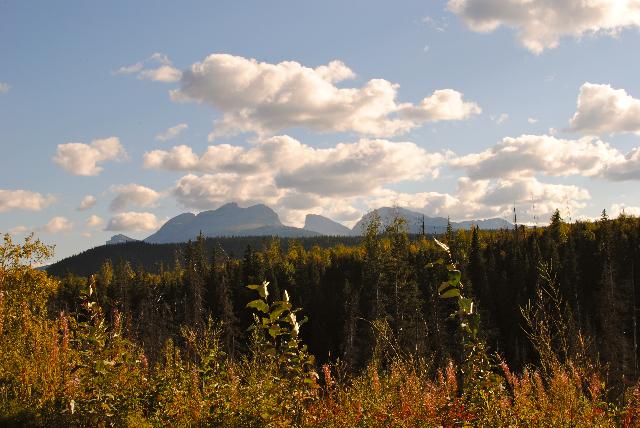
[172, 132]
[164, 73]
[292, 177]
[210, 190]
[502, 118]
[23, 200]
[94, 221]
[19, 230]
[58, 224]
[544, 154]
[133, 195]
[133, 221]
[84, 159]
[87, 202]
[283, 163]
[4, 87]
[265, 98]
[160, 69]
[605, 110]
[541, 24]
[626, 168]
[342, 181]
[476, 199]
[529, 155]
[618, 209]
[548, 196]
[532, 120]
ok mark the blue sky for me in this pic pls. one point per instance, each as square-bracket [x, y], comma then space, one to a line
[521, 105]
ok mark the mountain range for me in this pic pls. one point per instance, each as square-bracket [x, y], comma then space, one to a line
[260, 220]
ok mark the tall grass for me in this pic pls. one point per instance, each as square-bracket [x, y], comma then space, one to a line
[75, 369]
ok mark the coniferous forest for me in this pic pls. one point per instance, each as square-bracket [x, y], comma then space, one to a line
[520, 327]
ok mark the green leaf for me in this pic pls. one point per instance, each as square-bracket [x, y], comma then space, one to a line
[454, 277]
[260, 288]
[274, 331]
[443, 287]
[454, 292]
[282, 304]
[276, 313]
[259, 305]
[466, 305]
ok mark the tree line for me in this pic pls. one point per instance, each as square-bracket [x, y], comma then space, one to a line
[343, 289]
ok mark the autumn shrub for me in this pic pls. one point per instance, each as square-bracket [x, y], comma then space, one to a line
[77, 369]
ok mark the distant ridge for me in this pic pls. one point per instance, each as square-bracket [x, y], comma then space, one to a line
[119, 239]
[325, 226]
[415, 221]
[231, 229]
[228, 220]
[260, 220]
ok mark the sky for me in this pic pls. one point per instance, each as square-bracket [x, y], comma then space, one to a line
[116, 116]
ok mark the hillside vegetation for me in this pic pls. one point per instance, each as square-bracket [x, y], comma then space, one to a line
[519, 327]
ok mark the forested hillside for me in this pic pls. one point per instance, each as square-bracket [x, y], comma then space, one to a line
[156, 257]
[593, 263]
[530, 324]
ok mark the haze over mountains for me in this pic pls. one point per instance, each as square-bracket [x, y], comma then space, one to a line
[260, 220]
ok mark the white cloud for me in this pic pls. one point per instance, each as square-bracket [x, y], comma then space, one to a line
[477, 199]
[4, 87]
[58, 224]
[133, 195]
[172, 132]
[604, 110]
[502, 118]
[133, 221]
[160, 58]
[19, 230]
[265, 98]
[23, 200]
[178, 158]
[292, 177]
[84, 159]
[208, 191]
[130, 69]
[625, 168]
[528, 155]
[87, 202]
[617, 209]
[163, 72]
[438, 24]
[341, 181]
[94, 221]
[281, 162]
[540, 24]
[532, 120]
[547, 196]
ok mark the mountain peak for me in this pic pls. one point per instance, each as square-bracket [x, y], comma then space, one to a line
[227, 220]
[228, 206]
[325, 226]
[119, 239]
[232, 220]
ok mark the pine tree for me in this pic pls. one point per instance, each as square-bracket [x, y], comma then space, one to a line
[221, 305]
[477, 272]
[194, 282]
